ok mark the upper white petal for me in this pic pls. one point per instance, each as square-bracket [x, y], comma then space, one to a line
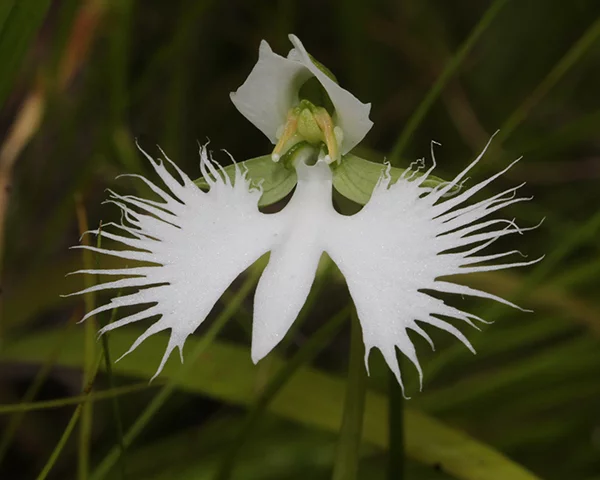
[272, 87]
[270, 90]
[351, 115]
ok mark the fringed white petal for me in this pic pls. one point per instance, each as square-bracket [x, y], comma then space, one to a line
[398, 246]
[199, 242]
[272, 87]
[392, 254]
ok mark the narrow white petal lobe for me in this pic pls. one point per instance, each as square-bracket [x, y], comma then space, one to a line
[286, 282]
[393, 252]
[199, 243]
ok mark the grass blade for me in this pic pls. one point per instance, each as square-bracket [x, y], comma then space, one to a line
[434, 92]
[21, 23]
[348, 450]
[311, 397]
[304, 356]
[146, 416]
[565, 63]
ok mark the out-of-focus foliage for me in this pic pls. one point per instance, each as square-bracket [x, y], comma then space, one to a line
[81, 83]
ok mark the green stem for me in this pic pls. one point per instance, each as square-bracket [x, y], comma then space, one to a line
[434, 92]
[114, 400]
[396, 454]
[109, 372]
[86, 390]
[559, 70]
[62, 402]
[32, 391]
[348, 449]
[89, 351]
[106, 465]
[61, 443]
[305, 355]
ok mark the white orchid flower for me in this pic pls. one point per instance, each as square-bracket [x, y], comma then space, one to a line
[393, 253]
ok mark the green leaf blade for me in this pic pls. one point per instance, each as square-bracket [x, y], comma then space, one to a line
[19, 22]
[311, 397]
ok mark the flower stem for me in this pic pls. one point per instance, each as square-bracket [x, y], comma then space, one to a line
[347, 455]
[303, 356]
[437, 88]
[104, 468]
[396, 430]
[111, 379]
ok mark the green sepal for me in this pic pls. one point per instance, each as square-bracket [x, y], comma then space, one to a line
[275, 178]
[355, 178]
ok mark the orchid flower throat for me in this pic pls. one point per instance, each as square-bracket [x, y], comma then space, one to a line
[311, 120]
[313, 124]
[297, 99]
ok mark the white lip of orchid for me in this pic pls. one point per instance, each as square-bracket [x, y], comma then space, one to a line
[391, 253]
[271, 90]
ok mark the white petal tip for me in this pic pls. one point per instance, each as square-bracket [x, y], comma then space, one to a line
[260, 350]
[257, 354]
[295, 40]
[275, 157]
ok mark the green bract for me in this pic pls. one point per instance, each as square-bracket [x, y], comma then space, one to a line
[354, 177]
[276, 180]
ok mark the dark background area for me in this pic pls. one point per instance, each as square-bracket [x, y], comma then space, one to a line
[82, 80]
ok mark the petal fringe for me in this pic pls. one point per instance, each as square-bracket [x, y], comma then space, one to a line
[198, 241]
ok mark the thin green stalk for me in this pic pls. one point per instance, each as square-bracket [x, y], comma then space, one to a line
[87, 413]
[303, 356]
[121, 12]
[348, 449]
[265, 366]
[30, 394]
[396, 450]
[158, 401]
[180, 81]
[63, 402]
[90, 327]
[111, 379]
[565, 63]
[114, 402]
[87, 388]
[434, 92]
[61, 443]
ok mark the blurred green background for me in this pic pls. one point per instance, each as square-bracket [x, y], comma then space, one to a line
[82, 79]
